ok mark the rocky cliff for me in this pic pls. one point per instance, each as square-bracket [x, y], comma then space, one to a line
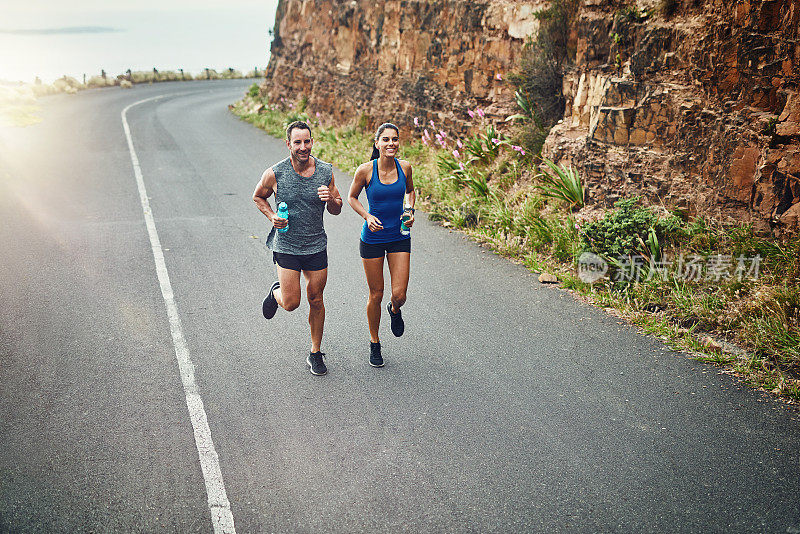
[699, 110]
[690, 103]
[396, 59]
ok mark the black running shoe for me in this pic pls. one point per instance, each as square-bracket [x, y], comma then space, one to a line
[270, 305]
[398, 326]
[314, 361]
[375, 358]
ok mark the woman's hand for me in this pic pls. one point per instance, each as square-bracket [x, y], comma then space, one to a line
[373, 223]
[410, 222]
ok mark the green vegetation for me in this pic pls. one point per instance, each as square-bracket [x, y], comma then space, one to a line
[632, 13]
[561, 184]
[624, 231]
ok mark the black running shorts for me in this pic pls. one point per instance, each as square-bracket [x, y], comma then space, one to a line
[377, 250]
[302, 262]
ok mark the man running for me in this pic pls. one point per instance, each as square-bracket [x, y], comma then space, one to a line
[306, 185]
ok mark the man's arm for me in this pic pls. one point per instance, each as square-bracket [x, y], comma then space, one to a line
[264, 190]
[330, 195]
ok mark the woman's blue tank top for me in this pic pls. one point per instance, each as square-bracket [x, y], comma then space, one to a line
[385, 203]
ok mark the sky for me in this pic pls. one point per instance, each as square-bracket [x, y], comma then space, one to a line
[43, 38]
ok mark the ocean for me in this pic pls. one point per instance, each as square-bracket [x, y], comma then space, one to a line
[86, 43]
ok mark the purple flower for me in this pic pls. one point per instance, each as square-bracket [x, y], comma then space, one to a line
[499, 77]
[456, 154]
[443, 133]
[318, 114]
[495, 140]
[416, 121]
[522, 152]
[481, 114]
[459, 143]
[432, 125]
[471, 114]
[425, 134]
[424, 141]
[517, 148]
[461, 165]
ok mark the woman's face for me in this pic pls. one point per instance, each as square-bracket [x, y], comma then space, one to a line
[388, 142]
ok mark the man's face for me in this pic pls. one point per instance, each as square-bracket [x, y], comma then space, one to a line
[300, 144]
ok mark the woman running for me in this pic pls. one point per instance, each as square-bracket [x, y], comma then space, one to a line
[387, 181]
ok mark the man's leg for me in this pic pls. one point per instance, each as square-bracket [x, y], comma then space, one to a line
[315, 285]
[288, 295]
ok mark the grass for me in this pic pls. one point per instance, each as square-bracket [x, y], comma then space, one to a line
[748, 325]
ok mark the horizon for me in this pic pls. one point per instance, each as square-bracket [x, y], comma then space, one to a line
[169, 36]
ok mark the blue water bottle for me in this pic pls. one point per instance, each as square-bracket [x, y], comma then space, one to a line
[283, 213]
[405, 230]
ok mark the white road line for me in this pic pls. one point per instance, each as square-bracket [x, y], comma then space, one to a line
[221, 515]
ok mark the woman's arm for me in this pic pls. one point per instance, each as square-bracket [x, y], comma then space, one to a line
[359, 182]
[411, 194]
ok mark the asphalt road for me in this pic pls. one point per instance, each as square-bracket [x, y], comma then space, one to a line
[507, 406]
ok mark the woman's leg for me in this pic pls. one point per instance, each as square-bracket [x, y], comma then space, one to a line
[399, 268]
[373, 268]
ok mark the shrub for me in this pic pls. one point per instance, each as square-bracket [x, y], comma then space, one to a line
[253, 92]
[627, 230]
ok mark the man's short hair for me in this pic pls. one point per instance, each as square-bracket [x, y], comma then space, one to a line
[296, 125]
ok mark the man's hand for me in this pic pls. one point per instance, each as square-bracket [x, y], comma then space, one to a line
[330, 196]
[279, 222]
[324, 193]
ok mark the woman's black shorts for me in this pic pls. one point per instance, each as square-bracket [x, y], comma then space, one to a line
[302, 262]
[377, 250]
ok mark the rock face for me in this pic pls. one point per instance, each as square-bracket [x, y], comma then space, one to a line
[396, 59]
[698, 110]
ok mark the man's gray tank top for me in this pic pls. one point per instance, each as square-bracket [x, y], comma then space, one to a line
[306, 233]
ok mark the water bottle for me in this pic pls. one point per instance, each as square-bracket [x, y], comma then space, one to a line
[405, 230]
[283, 213]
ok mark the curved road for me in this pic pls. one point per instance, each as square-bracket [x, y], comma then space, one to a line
[506, 407]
